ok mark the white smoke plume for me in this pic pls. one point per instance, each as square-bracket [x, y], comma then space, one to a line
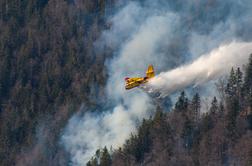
[207, 67]
[93, 131]
[85, 134]
[165, 33]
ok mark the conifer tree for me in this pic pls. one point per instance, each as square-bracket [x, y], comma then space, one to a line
[195, 106]
[93, 162]
[182, 102]
[231, 85]
[247, 86]
[239, 78]
[207, 123]
[221, 109]
[105, 158]
[233, 102]
[214, 105]
[239, 84]
[187, 133]
[233, 111]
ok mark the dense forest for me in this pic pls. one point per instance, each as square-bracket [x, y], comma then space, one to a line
[186, 136]
[48, 67]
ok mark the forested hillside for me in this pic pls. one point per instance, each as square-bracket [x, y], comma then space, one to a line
[186, 136]
[48, 66]
[52, 66]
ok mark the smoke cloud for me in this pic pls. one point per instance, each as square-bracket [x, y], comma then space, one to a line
[167, 34]
[207, 67]
[88, 133]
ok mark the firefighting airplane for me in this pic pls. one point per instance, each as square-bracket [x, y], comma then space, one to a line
[137, 81]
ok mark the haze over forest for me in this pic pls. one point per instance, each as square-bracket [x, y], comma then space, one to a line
[62, 95]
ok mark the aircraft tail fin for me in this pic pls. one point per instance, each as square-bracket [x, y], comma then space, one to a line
[150, 72]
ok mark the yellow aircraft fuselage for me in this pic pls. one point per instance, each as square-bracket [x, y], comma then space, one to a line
[137, 81]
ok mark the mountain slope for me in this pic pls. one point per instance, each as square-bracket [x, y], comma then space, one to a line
[48, 67]
[186, 136]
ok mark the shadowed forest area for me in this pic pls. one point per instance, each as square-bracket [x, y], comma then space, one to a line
[185, 136]
[48, 66]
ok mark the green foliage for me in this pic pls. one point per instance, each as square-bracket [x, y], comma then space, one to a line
[234, 85]
[214, 106]
[48, 66]
[47, 63]
[247, 86]
[101, 158]
[231, 120]
[105, 158]
[207, 123]
[182, 103]
[195, 106]
[186, 137]
[239, 78]
[139, 144]
[248, 74]
[234, 101]
[187, 133]
[93, 162]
